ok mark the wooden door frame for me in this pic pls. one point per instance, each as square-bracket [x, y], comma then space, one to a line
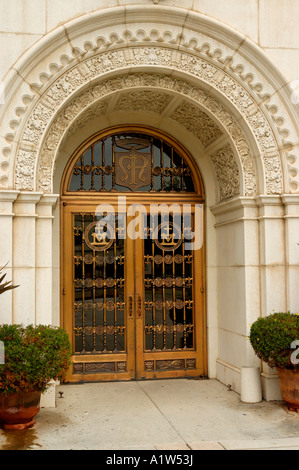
[69, 200]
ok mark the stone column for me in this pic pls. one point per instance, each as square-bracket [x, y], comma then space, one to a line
[7, 199]
[238, 282]
[24, 245]
[44, 259]
[44, 276]
[273, 274]
[291, 211]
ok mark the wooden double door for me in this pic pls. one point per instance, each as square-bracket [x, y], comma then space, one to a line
[133, 290]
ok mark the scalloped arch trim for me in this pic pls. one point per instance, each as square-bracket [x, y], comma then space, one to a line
[202, 52]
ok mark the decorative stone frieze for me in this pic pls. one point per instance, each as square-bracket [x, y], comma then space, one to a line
[197, 122]
[200, 59]
[227, 173]
[82, 109]
[72, 80]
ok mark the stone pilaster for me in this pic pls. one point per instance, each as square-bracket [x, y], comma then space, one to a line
[44, 259]
[24, 245]
[273, 274]
[291, 216]
[7, 199]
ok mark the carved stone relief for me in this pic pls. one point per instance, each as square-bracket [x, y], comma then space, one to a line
[197, 122]
[143, 100]
[73, 79]
[66, 123]
[24, 171]
[227, 173]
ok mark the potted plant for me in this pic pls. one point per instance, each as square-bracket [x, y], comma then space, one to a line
[275, 340]
[33, 356]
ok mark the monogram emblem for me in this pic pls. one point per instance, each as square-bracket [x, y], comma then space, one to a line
[98, 240]
[167, 236]
[132, 168]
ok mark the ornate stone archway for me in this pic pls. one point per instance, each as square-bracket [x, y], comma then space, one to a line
[190, 73]
[222, 67]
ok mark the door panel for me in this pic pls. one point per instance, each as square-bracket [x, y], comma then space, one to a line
[96, 298]
[134, 309]
[169, 325]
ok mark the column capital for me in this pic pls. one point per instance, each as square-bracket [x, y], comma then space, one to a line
[25, 204]
[291, 205]
[46, 205]
[233, 204]
[49, 199]
[8, 195]
[29, 197]
[268, 200]
[290, 199]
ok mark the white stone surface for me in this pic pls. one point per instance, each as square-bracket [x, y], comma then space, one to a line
[24, 258]
[278, 23]
[12, 47]
[59, 12]
[44, 260]
[286, 60]
[48, 398]
[27, 16]
[241, 15]
[7, 199]
[251, 388]
[292, 289]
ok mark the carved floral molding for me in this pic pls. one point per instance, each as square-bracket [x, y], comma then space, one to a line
[64, 96]
[227, 173]
[93, 102]
[70, 81]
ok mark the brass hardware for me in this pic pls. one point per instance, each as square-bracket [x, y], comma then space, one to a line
[133, 169]
[101, 241]
[139, 306]
[108, 285]
[130, 305]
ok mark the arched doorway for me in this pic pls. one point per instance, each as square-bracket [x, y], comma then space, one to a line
[189, 76]
[133, 277]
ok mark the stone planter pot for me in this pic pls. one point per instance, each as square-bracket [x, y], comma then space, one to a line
[289, 386]
[17, 410]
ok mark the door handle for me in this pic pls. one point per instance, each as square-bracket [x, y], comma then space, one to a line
[139, 307]
[130, 305]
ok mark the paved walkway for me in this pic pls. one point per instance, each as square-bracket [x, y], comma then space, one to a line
[177, 414]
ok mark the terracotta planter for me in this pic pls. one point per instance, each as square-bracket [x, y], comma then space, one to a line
[17, 410]
[289, 386]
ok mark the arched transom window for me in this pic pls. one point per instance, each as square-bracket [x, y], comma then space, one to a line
[130, 162]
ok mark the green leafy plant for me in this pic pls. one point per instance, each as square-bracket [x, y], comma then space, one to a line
[34, 355]
[272, 336]
[5, 285]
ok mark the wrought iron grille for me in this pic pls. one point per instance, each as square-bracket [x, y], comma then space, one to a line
[131, 162]
[169, 305]
[99, 306]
